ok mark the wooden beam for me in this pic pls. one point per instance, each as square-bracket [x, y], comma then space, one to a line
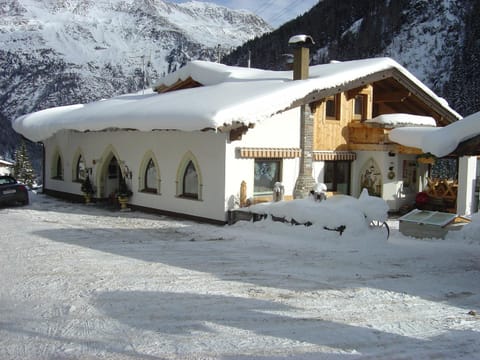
[393, 96]
[237, 133]
[399, 149]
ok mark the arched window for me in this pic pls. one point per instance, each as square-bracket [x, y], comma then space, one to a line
[80, 169]
[150, 177]
[57, 168]
[189, 178]
[149, 174]
[190, 181]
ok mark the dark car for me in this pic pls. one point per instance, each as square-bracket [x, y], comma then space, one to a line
[12, 192]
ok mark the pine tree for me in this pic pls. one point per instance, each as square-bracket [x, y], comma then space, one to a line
[23, 169]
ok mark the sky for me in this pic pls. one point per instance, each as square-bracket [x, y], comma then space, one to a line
[275, 12]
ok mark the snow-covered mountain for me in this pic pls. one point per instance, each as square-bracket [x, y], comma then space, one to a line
[58, 52]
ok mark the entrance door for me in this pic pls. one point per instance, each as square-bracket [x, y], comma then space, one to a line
[112, 177]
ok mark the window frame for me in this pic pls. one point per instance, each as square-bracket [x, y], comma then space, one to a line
[180, 178]
[146, 188]
[278, 175]
[363, 114]
[336, 107]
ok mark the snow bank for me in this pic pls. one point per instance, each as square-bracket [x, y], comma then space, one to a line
[339, 210]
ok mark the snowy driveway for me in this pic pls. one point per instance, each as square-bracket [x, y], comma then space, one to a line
[80, 282]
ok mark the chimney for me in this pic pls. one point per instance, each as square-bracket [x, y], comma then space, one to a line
[301, 62]
[301, 55]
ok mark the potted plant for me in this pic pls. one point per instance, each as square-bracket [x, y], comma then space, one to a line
[123, 194]
[87, 189]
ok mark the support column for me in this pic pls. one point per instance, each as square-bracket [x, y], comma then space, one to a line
[467, 173]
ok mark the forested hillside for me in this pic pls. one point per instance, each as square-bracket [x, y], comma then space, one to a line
[436, 40]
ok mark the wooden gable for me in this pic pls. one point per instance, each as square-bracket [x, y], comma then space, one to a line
[387, 92]
[392, 96]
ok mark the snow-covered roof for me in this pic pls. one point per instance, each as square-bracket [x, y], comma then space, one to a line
[439, 141]
[6, 163]
[229, 95]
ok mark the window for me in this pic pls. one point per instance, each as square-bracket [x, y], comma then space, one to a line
[150, 177]
[332, 107]
[190, 181]
[359, 106]
[267, 173]
[337, 176]
[113, 168]
[189, 178]
[80, 169]
[57, 171]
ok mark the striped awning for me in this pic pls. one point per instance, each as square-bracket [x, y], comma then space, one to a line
[291, 153]
[268, 153]
[334, 155]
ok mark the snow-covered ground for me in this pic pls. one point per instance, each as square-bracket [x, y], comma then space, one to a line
[82, 282]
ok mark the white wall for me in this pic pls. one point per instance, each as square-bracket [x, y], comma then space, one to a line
[280, 131]
[392, 189]
[169, 148]
[221, 170]
[467, 173]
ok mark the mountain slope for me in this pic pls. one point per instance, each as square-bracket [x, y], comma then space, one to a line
[59, 52]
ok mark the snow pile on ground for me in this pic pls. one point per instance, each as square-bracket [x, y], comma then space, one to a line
[337, 211]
